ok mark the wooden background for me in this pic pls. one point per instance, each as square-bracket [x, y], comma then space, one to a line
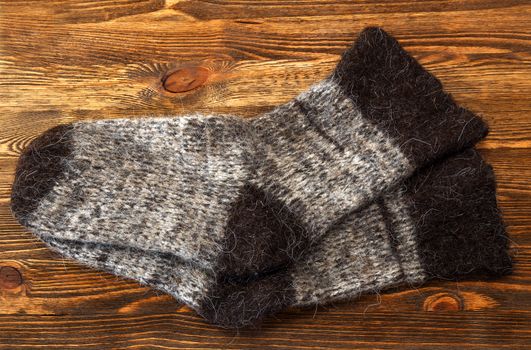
[65, 60]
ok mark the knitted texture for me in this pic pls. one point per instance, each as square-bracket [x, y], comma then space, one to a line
[241, 198]
[441, 223]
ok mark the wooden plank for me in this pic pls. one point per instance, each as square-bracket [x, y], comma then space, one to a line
[301, 330]
[252, 9]
[246, 88]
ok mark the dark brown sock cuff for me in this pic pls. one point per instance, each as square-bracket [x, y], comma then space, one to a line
[396, 93]
[460, 232]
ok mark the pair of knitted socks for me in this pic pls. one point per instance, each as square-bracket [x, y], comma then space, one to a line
[343, 190]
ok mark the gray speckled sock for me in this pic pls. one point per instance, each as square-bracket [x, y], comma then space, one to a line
[442, 223]
[235, 196]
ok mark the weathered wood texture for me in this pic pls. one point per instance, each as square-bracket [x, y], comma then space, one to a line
[64, 60]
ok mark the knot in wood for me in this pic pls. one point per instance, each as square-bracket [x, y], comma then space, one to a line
[10, 277]
[185, 79]
[443, 302]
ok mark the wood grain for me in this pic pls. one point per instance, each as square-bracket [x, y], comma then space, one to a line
[65, 60]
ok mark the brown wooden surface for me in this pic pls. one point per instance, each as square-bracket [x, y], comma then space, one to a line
[65, 60]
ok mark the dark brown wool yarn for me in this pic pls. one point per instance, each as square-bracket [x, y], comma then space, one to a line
[45, 157]
[396, 93]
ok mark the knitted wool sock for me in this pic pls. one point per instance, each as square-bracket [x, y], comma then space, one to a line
[442, 223]
[233, 196]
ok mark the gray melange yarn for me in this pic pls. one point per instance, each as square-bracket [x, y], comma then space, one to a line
[423, 229]
[239, 197]
[171, 184]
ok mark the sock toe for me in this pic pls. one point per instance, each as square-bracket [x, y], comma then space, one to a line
[460, 229]
[38, 169]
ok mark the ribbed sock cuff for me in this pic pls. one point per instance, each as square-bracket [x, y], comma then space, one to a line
[393, 91]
